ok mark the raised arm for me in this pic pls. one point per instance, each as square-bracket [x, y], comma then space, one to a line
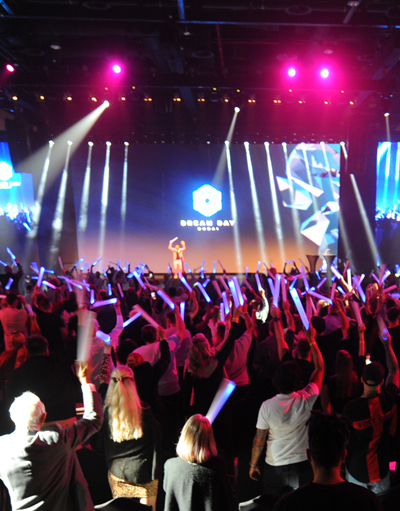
[391, 361]
[280, 336]
[289, 317]
[342, 316]
[319, 364]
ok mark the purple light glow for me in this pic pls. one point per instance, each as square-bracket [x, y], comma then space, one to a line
[10, 68]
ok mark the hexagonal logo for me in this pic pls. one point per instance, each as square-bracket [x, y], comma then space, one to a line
[207, 200]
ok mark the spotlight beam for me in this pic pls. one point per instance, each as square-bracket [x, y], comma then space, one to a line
[219, 173]
[83, 213]
[295, 213]
[275, 206]
[236, 235]
[104, 199]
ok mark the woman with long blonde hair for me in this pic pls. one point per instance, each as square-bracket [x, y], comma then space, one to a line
[131, 440]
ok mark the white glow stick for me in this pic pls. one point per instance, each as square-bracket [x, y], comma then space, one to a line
[361, 278]
[271, 286]
[305, 280]
[360, 290]
[186, 283]
[131, 319]
[340, 277]
[320, 297]
[349, 278]
[376, 278]
[121, 293]
[97, 261]
[85, 336]
[46, 283]
[139, 279]
[299, 307]
[238, 290]
[3, 263]
[77, 263]
[221, 397]
[8, 285]
[321, 283]
[291, 261]
[383, 331]
[104, 337]
[92, 297]
[101, 303]
[221, 308]
[40, 278]
[391, 288]
[203, 292]
[222, 280]
[226, 303]
[258, 266]
[174, 239]
[188, 268]
[145, 316]
[216, 287]
[11, 254]
[283, 286]
[259, 286]
[386, 275]
[60, 263]
[206, 282]
[75, 284]
[357, 313]
[277, 290]
[214, 266]
[233, 293]
[182, 310]
[166, 299]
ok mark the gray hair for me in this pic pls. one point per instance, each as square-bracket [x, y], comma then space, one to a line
[27, 412]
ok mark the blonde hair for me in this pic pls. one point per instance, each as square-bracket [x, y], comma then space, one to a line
[124, 406]
[199, 354]
[27, 412]
[18, 343]
[196, 443]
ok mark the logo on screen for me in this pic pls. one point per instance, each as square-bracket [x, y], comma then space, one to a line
[207, 200]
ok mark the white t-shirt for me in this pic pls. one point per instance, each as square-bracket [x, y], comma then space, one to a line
[285, 416]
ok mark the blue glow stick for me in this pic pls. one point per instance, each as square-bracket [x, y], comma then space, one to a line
[238, 291]
[166, 299]
[49, 271]
[320, 297]
[203, 292]
[383, 331]
[8, 285]
[130, 275]
[11, 254]
[258, 266]
[102, 303]
[97, 261]
[69, 286]
[188, 268]
[182, 309]
[75, 284]
[305, 280]
[92, 297]
[77, 263]
[109, 290]
[221, 397]
[271, 286]
[259, 286]
[226, 303]
[206, 282]
[46, 283]
[299, 307]
[221, 307]
[340, 289]
[118, 266]
[3, 263]
[40, 278]
[27, 227]
[293, 283]
[186, 284]
[321, 283]
[34, 267]
[202, 266]
[131, 319]
[104, 337]
[214, 266]
[246, 270]
[233, 293]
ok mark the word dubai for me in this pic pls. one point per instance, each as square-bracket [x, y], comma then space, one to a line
[207, 225]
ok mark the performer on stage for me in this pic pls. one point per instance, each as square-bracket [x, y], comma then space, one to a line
[178, 256]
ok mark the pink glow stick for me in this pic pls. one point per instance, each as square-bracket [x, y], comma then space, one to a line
[85, 336]
[309, 311]
[222, 280]
[382, 271]
[284, 291]
[321, 283]
[145, 316]
[376, 278]
[238, 290]
[333, 291]
[357, 313]
[345, 268]
[271, 286]
[52, 286]
[277, 289]
[391, 288]
[121, 293]
[216, 287]
[60, 263]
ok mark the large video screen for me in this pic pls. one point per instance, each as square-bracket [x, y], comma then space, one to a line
[237, 204]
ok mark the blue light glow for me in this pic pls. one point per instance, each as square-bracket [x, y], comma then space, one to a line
[207, 200]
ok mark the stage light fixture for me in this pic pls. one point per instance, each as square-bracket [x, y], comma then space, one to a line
[116, 68]
[90, 144]
[51, 143]
[386, 114]
[14, 97]
[351, 103]
[41, 97]
[108, 143]
[237, 109]
[252, 98]
[226, 98]
[122, 98]
[106, 103]
[324, 73]
[93, 98]
[126, 143]
[291, 72]
[10, 68]
[69, 142]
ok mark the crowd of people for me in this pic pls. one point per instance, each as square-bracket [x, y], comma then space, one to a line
[315, 402]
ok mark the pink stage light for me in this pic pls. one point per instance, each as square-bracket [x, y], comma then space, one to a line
[324, 73]
[291, 72]
[116, 68]
[10, 68]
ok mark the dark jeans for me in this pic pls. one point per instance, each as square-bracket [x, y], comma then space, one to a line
[278, 480]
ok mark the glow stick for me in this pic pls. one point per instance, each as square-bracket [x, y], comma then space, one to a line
[104, 337]
[216, 287]
[109, 290]
[75, 284]
[2, 296]
[101, 303]
[312, 305]
[258, 266]
[92, 297]
[188, 268]
[357, 313]
[238, 291]
[345, 268]
[233, 293]
[382, 271]
[299, 307]
[341, 290]
[221, 397]
[8, 285]
[271, 286]
[97, 261]
[118, 265]
[40, 278]
[206, 282]
[121, 293]
[36, 271]
[246, 283]
[202, 266]
[85, 336]
[321, 283]
[283, 286]
[293, 283]
[391, 288]
[214, 267]
[182, 309]
[11, 254]
[46, 283]
[145, 316]
[221, 307]
[386, 275]
[246, 270]
[360, 290]
[203, 292]
[305, 280]
[349, 277]
[376, 278]
[291, 261]
[339, 276]
[383, 331]
[277, 290]
[320, 297]
[222, 280]
[69, 286]
[303, 263]
[226, 303]
[81, 285]
[49, 271]
[258, 281]
[186, 283]
[131, 319]
[174, 239]
[166, 299]
[219, 262]
[309, 311]
[361, 278]
[77, 263]
[129, 276]
[3, 263]
[60, 263]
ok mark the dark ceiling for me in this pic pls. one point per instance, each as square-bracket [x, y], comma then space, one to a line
[189, 50]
